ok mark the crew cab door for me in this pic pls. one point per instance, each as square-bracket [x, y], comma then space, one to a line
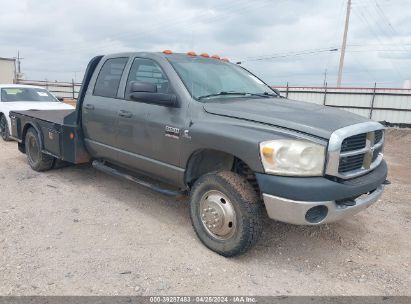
[142, 138]
[100, 109]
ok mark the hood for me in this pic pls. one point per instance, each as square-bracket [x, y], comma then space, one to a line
[32, 105]
[300, 116]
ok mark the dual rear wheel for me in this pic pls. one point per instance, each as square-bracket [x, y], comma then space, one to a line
[37, 160]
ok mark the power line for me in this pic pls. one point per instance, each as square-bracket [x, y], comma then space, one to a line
[292, 54]
[364, 18]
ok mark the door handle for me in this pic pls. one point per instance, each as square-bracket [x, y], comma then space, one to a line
[89, 106]
[125, 114]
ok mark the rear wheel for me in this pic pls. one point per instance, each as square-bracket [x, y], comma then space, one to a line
[37, 160]
[4, 128]
[225, 213]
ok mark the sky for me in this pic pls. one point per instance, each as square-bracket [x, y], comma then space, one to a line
[281, 41]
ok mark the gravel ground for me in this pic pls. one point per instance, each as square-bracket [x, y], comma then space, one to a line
[76, 231]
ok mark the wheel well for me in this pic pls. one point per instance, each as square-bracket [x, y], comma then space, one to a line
[206, 161]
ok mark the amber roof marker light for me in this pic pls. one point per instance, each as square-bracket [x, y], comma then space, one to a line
[204, 55]
[191, 53]
[215, 57]
[225, 59]
[168, 52]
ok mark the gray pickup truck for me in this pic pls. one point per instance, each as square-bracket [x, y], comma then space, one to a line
[198, 125]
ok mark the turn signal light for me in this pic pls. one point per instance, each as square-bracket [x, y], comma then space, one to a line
[168, 52]
[71, 135]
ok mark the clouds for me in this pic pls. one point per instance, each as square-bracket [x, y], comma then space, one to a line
[57, 38]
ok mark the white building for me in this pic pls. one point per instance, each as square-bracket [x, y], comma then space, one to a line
[7, 70]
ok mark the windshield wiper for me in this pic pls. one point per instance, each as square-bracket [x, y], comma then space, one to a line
[265, 94]
[222, 94]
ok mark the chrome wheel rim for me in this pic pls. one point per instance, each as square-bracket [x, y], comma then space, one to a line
[218, 215]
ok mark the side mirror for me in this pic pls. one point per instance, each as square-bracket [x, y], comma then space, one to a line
[139, 86]
[147, 93]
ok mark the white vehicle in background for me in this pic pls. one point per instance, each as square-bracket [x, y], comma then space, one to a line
[16, 97]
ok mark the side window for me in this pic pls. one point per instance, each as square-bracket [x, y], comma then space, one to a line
[146, 70]
[109, 77]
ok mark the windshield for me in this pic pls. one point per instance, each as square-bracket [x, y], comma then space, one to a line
[207, 78]
[26, 94]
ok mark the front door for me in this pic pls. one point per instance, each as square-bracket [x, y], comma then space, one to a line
[148, 134]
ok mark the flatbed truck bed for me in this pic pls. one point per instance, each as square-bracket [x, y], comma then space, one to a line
[58, 132]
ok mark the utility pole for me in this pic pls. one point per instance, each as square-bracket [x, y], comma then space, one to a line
[18, 67]
[18, 62]
[344, 44]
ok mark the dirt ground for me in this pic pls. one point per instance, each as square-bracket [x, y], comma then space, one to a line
[76, 231]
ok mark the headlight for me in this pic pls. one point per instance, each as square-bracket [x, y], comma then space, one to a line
[292, 157]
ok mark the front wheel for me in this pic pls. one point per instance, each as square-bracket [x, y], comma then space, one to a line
[37, 160]
[4, 128]
[226, 213]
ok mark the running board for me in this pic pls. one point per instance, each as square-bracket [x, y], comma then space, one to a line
[101, 166]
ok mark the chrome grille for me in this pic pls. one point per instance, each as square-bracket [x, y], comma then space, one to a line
[354, 142]
[378, 135]
[355, 150]
[350, 163]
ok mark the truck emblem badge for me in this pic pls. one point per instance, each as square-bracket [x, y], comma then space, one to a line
[172, 132]
[51, 136]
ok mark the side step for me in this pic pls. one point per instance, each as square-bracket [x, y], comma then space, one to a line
[101, 166]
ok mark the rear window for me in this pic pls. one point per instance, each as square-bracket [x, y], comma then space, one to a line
[109, 77]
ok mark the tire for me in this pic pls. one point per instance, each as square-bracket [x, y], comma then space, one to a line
[226, 193]
[4, 128]
[37, 160]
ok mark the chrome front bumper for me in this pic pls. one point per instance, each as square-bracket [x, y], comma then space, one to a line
[295, 212]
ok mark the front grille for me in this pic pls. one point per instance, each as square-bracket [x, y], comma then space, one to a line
[350, 163]
[378, 136]
[355, 142]
[358, 152]
[355, 150]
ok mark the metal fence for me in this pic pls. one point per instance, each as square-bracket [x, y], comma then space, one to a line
[67, 90]
[389, 105]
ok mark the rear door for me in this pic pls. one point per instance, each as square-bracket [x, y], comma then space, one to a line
[100, 109]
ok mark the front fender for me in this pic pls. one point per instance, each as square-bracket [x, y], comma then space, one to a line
[238, 138]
